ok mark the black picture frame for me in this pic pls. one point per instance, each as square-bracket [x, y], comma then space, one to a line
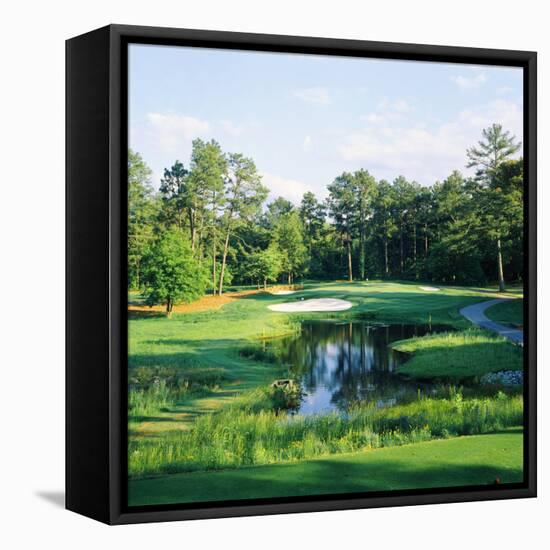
[96, 319]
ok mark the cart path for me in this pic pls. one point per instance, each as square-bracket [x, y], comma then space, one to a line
[476, 314]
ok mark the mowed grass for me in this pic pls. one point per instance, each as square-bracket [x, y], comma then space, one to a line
[204, 423]
[213, 338]
[399, 302]
[457, 462]
[456, 356]
[196, 344]
[507, 313]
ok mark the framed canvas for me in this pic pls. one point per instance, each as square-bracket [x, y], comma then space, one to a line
[301, 274]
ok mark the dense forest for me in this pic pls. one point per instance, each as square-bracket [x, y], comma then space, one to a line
[210, 225]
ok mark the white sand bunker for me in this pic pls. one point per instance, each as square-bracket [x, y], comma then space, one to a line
[429, 288]
[283, 292]
[316, 304]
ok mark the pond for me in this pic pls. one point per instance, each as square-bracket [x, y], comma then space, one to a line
[340, 363]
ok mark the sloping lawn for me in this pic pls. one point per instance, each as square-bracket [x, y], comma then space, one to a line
[204, 345]
[458, 355]
[508, 313]
[462, 461]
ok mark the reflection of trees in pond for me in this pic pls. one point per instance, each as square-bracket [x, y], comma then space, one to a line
[351, 360]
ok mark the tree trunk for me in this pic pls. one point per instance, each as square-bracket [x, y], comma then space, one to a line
[386, 266]
[289, 277]
[401, 263]
[215, 207]
[414, 251]
[224, 258]
[265, 283]
[426, 241]
[350, 274]
[501, 286]
[199, 243]
[169, 306]
[362, 255]
[214, 266]
[192, 228]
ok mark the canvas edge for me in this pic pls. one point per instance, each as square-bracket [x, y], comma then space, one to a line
[119, 35]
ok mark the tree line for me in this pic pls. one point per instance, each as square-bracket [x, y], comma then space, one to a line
[209, 225]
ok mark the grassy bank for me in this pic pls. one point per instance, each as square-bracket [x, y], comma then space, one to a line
[508, 313]
[458, 355]
[463, 461]
[196, 399]
[198, 347]
[196, 343]
[237, 437]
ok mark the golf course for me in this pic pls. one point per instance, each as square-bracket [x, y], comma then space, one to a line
[315, 312]
[206, 423]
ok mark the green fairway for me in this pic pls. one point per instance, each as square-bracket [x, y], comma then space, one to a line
[507, 313]
[473, 460]
[198, 401]
[458, 355]
[204, 348]
[195, 340]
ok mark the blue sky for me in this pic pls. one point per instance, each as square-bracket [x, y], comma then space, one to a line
[305, 119]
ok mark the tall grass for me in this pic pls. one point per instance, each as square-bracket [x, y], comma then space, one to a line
[149, 401]
[236, 437]
[153, 390]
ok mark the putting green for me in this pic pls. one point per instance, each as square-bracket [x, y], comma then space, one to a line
[314, 304]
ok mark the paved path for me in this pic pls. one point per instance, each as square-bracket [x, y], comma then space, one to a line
[476, 314]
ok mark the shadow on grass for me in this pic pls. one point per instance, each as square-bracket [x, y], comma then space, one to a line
[516, 430]
[314, 478]
[145, 418]
[144, 314]
[462, 361]
[213, 361]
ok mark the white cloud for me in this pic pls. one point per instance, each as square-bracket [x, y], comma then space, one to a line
[500, 111]
[172, 131]
[290, 189]
[374, 118]
[428, 154]
[319, 96]
[388, 111]
[231, 128]
[306, 145]
[469, 82]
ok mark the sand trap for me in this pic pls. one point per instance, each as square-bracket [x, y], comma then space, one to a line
[429, 288]
[317, 304]
[283, 292]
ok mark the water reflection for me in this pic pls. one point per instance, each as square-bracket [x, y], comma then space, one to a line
[339, 363]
